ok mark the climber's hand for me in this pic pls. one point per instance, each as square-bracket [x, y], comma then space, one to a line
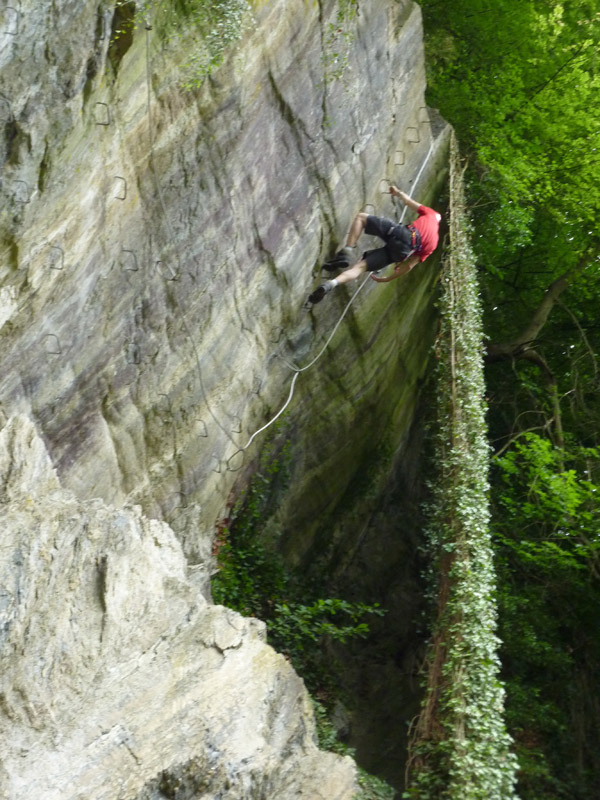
[385, 280]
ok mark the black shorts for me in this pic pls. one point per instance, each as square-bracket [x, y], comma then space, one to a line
[397, 238]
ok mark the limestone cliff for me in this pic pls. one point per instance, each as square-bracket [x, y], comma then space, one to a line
[157, 248]
[118, 678]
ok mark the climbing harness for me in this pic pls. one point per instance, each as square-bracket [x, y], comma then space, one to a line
[415, 239]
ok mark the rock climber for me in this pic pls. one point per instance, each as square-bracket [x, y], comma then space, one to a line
[405, 245]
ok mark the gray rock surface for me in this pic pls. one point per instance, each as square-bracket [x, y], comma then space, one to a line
[156, 248]
[117, 676]
[159, 245]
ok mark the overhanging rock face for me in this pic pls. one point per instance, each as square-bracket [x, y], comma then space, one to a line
[157, 246]
[118, 678]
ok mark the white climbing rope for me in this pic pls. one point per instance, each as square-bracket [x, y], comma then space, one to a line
[331, 335]
[296, 372]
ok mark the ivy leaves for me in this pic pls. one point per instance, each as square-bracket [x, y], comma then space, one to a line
[460, 747]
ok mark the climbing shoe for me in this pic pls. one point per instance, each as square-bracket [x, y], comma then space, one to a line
[319, 293]
[341, 260]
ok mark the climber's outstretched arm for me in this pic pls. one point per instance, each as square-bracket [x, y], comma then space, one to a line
[401, 269]
[408, 201]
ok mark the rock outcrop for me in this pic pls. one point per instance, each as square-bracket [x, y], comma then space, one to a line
[157, 248]
[118, 678]
[160, 243]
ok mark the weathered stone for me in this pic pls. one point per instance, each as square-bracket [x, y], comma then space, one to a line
[159, 268]
[115, 670]
[157, 248]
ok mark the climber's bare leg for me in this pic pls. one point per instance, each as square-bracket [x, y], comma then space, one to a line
[356, 229]
[353, 273]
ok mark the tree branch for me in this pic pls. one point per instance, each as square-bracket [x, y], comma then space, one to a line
[584, 337]
[540, 88]
[524, 341]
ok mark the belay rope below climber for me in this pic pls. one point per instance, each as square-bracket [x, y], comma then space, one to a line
[294, 368]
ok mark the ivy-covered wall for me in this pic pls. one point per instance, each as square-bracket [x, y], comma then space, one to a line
[460, 747]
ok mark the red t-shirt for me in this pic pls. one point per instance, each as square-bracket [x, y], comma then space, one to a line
[428, 225]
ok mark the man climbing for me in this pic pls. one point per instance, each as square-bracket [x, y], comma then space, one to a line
[405, 245]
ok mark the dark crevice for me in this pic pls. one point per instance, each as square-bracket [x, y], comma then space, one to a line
[90, 74]
[44, 169]
[121, 34]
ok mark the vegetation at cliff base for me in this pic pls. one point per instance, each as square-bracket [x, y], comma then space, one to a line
[254, 580]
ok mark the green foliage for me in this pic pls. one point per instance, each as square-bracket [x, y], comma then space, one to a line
[215, 27]
[373, 788]
[519, 81]
[370, 787]
[209, 28]
[546, 525]
[123, 26]
[254, 580]
[337, 41]
[251, 579]
[557, 507]
[326, 734]
[298, 630]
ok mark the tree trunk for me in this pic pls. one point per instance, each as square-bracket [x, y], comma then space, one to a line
[522, 347]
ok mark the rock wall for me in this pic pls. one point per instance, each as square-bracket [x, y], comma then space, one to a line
[157, 248]
[145, 300]
[118, 678]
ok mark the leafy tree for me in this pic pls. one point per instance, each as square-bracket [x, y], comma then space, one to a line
[519, 81]
[547, 535]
